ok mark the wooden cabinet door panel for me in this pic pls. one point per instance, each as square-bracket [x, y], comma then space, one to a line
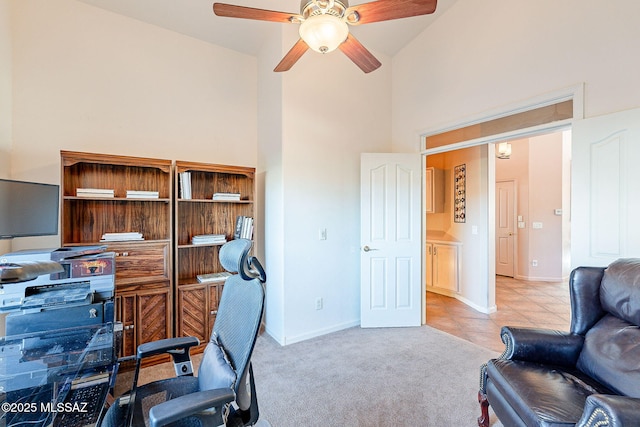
[126, 313]
[214, 298]
[192, 306]
[154, 316]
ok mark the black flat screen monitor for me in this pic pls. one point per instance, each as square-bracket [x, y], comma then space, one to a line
[28, 209]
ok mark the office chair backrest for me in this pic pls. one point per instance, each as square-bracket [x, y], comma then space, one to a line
[240, 311]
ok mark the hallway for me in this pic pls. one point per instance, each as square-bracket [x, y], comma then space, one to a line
[520, 303]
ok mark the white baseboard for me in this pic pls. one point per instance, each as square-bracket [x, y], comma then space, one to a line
[313, 334]
[485, 310]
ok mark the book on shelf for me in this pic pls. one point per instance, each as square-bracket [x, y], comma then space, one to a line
[95, 192]
[228, 197]
[213, 277]
[121, 237]
[140, 194]
[209, 239]
[244, 227]
[185, 185]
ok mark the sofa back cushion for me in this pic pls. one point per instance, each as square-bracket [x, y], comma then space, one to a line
[620, 290]
[611, 355]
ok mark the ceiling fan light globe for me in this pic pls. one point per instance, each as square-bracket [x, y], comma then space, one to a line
[324, 33]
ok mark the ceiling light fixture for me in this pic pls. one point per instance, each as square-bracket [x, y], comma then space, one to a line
[504, 150]
[324, 27]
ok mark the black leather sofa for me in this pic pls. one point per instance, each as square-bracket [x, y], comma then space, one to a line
[589, 376]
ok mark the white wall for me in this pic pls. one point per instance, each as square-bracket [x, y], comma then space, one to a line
[331, 112]
[86, 79]
[545, 196]
[5, 98]
[270, 173]
[485, 54]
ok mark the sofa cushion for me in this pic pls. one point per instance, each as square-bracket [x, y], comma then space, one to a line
[620, 290]
[611, 354]
[554, 396]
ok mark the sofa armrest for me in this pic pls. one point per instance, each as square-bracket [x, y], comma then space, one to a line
[545, 346]
[609, 410]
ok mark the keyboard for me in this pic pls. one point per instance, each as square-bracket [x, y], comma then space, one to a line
[84, 403]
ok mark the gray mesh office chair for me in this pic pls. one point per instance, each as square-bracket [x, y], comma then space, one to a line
[223, 393]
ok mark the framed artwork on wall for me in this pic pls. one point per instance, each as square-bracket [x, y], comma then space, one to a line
[459, 193]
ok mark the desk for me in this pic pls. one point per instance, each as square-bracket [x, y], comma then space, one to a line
[45, 376]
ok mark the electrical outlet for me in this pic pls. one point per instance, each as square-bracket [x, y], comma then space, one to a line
[534, 263]
[318, 303]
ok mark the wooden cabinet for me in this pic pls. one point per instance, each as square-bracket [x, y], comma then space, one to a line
[145, 316]
[198, 214]
[443, 266]
[434, 184]
[104, 194]
[198, 306]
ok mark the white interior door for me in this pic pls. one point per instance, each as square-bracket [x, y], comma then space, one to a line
[391, 240]
[605, 184]
[505, 228]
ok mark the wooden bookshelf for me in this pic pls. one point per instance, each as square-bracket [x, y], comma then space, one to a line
[144, 275]
[197, 303]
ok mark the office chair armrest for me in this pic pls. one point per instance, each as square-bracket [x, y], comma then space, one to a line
[189, 404]
[541, 345]
[170, 345]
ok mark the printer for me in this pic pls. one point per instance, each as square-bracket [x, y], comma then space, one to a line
[58, 336]
[36, 284]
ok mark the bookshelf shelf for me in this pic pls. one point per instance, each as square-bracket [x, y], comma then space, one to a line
[118, 199]
[239, 202]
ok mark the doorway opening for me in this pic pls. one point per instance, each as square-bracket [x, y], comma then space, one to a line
[532, 208]
[531, 235]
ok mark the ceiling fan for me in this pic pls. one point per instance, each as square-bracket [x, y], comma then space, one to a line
[324, 25]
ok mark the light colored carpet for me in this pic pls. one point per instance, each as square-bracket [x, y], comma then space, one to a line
[367, 377]
[370, 377]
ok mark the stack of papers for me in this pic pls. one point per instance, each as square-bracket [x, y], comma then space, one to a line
[209, 239]
[94, 192]
[140, 194]
[213, 277]
[229, 197]
[120, 237]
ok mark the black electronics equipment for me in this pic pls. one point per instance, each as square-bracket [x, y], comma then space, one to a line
[28, 209]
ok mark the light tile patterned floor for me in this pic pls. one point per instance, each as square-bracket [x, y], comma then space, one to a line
[520, 303]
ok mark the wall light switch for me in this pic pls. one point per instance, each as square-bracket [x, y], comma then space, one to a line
[474, 229]
[322, 234]
[557, 212]
[536, 224]
[522, 224]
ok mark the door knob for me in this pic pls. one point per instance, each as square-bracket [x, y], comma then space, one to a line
[367, 249]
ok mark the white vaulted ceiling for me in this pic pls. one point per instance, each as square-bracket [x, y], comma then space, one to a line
[195, 18]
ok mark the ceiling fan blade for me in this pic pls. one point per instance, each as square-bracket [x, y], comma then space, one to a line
[386, 10]
[233, 11]
[359, 54]
[292, 56]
